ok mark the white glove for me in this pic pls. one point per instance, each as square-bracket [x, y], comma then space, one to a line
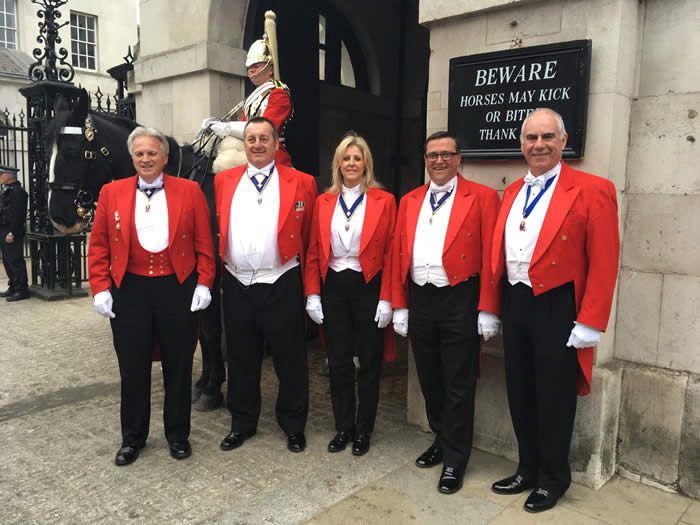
[383, 315]
[583, 336]
[103, 304]
[201, 298]
[314, 308]
[233, 128]
[488, 324]
[401, 321]
[208, 121]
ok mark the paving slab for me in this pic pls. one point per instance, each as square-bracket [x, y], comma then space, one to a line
[59, 429]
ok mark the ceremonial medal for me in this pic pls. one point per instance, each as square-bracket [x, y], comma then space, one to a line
[351, 211]
[528, 209]
[149, 193]
[260, 186]
[436, 205]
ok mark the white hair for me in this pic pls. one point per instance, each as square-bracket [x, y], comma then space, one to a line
[560, 123]
[142, 131]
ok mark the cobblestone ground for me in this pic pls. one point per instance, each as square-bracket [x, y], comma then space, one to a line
[59, 429]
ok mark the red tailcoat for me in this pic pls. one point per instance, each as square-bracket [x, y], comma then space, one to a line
[579, 241]
[297, 196]
[467, 242]
[189, 241]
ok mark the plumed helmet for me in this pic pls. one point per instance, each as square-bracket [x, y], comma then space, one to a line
[265, 49]
[259, 52]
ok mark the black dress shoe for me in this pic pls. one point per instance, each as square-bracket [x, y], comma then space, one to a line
[18, 296]
[339, 442]
[235, 440]
[430, 458]
[512, 485]
[126, 455]
[181, 450]
[450, 480]
[360, 446]
[539, 500]
[296, 442]
[6, 293]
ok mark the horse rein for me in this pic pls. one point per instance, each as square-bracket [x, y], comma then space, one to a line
[84, 201]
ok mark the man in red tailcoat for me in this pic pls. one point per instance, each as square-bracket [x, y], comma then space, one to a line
[555, 252]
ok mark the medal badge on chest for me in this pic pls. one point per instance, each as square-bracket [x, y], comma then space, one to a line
[349, 212]
[149, 193]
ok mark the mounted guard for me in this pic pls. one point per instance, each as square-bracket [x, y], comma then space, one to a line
[271, 99]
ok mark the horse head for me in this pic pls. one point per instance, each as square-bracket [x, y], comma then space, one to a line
[88, 149]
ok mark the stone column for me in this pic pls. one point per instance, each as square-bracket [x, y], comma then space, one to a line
[494, 25]
[191, 64]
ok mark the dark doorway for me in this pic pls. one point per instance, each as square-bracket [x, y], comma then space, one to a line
[355, 65]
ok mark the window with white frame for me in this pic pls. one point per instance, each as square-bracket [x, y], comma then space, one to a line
[83, 40]
[8, 24]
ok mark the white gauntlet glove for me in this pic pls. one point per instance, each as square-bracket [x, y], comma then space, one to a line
[103, 304]
[401, 321]
[314, 308]
[384, 314]
[583, 336]
[488, 324]
[201, 298]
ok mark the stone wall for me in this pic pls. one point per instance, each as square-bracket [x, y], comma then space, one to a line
[658, 326]
[641, 134]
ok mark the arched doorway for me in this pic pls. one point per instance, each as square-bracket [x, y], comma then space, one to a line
[348, 66]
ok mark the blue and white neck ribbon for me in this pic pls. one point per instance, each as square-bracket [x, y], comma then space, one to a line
[349, 212]
[527, 209]
[261, 185]
[149, 192]
[435, 205]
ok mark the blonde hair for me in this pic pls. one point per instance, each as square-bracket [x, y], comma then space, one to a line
[368, 181]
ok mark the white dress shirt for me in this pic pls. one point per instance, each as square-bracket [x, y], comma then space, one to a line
[152, 225]
[520, 245]
[428, 245]
[252, 253]
[345, 245]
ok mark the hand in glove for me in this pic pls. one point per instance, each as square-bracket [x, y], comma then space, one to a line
[201, 298]
[314, 308]
[401, 321]
[384, 314]
[103, 304]
[488, 324]
[208, 121]
[583, 336]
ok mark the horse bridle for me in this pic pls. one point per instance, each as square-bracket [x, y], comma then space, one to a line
[84, 201]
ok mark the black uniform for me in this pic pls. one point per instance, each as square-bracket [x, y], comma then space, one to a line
[13, 211]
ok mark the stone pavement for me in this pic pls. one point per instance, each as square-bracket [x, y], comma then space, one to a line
[59, 431]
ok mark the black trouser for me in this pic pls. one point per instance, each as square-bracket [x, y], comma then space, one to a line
[541, 375]
[13, 261]
[273, 313]
[349, 307]
[148, 308]
[442, 325]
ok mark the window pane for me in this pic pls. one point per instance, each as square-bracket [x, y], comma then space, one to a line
[90, 22]
[10, 20]
[10, 38]
[82, 35]
[91, 63]
[321, 29]
[90, 37]
[90, 50]
[74, 60]
[322, 64]
[83, 62]
[74, 47]
[73, 19]
[3, 38]
[81, 48]
[347, 75]
[73, 33]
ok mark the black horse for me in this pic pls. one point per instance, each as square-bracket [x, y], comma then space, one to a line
[88, 149]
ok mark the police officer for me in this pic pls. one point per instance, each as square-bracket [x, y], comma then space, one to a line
[13, 212]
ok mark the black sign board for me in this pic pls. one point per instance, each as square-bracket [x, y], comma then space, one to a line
[492, 93]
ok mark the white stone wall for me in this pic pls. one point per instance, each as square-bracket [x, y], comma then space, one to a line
[116, 30]
[642, 134]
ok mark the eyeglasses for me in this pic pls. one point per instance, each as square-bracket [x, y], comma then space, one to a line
[447, 155]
